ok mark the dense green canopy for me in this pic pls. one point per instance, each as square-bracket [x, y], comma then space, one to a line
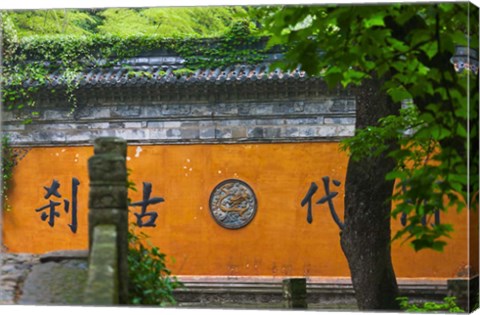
[171, 22]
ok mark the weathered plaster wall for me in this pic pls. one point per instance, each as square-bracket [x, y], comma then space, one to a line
[277, 242]
[184, 148]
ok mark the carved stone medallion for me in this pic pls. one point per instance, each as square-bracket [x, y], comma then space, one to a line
[233, 204]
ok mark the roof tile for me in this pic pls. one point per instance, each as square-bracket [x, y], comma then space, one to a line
[155, 75]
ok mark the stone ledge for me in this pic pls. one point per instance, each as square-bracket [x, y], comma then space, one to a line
[206, 290]
[212, 136]
[57, 256]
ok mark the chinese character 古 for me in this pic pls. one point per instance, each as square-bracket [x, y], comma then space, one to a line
[147, 190]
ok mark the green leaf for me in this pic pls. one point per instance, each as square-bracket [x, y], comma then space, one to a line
[398, 45]
[430, 49]
[399, 94]
[393, 175]
[438, 245]
[461, 131]
[150, 282]
[375, 20]
[439, 132]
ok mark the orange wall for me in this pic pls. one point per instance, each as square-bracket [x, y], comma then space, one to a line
[278, 241]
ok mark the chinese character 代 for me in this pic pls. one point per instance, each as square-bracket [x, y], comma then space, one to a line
[327, 198]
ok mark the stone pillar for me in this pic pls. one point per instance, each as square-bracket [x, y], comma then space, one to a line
[108, 199]
[295, 293]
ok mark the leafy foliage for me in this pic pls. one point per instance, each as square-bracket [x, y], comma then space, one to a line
[167, 22]
[448, 305]
[33, 58]
[410, 45]
[8, 163]
[72, 40]
[150, 281]
[42, 22]
[17, 69]
[239, 45]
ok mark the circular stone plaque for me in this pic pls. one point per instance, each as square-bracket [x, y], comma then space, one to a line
[233, 204]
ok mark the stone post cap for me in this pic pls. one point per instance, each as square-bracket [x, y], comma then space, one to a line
[107, 167]
[110, 145]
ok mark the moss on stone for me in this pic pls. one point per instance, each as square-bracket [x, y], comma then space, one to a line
[102, 283]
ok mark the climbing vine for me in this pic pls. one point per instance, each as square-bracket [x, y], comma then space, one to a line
[8, 162]
[238, 46]
[33, 58]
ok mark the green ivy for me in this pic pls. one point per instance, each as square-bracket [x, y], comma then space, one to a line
[238, 46]
[448, 305]
[33, 58]
[8, 163]
[193, 21]
[150, 281]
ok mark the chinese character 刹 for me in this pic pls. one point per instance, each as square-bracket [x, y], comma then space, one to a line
[51, 214]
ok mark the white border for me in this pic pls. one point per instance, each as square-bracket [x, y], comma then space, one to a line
[48, 4]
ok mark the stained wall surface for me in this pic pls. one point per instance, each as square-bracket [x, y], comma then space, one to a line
[277, 242]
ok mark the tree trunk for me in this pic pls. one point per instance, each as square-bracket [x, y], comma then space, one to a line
[366, 236]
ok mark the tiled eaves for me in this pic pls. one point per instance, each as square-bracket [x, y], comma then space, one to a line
[153, 75]
[148, 84]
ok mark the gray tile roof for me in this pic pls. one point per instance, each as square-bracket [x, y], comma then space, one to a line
[155, 75]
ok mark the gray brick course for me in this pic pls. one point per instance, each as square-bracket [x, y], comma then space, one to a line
[152, 111]
[100, 125]
[207, 133]
[54, 114]
[263, 109]
[157, 134]
[155, 124]
[49, 135]
[256, 132]
[224, 133]
[13, 127]
[78, 137]
[136, 124]
[298, 107]
[122, 111]
[190, 133]
[285, 120]
[239, 132]
[176, 110]
[339, 120]
[174, 133]
[327, 131]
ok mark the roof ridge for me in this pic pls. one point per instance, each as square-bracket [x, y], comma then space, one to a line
[133, 76]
